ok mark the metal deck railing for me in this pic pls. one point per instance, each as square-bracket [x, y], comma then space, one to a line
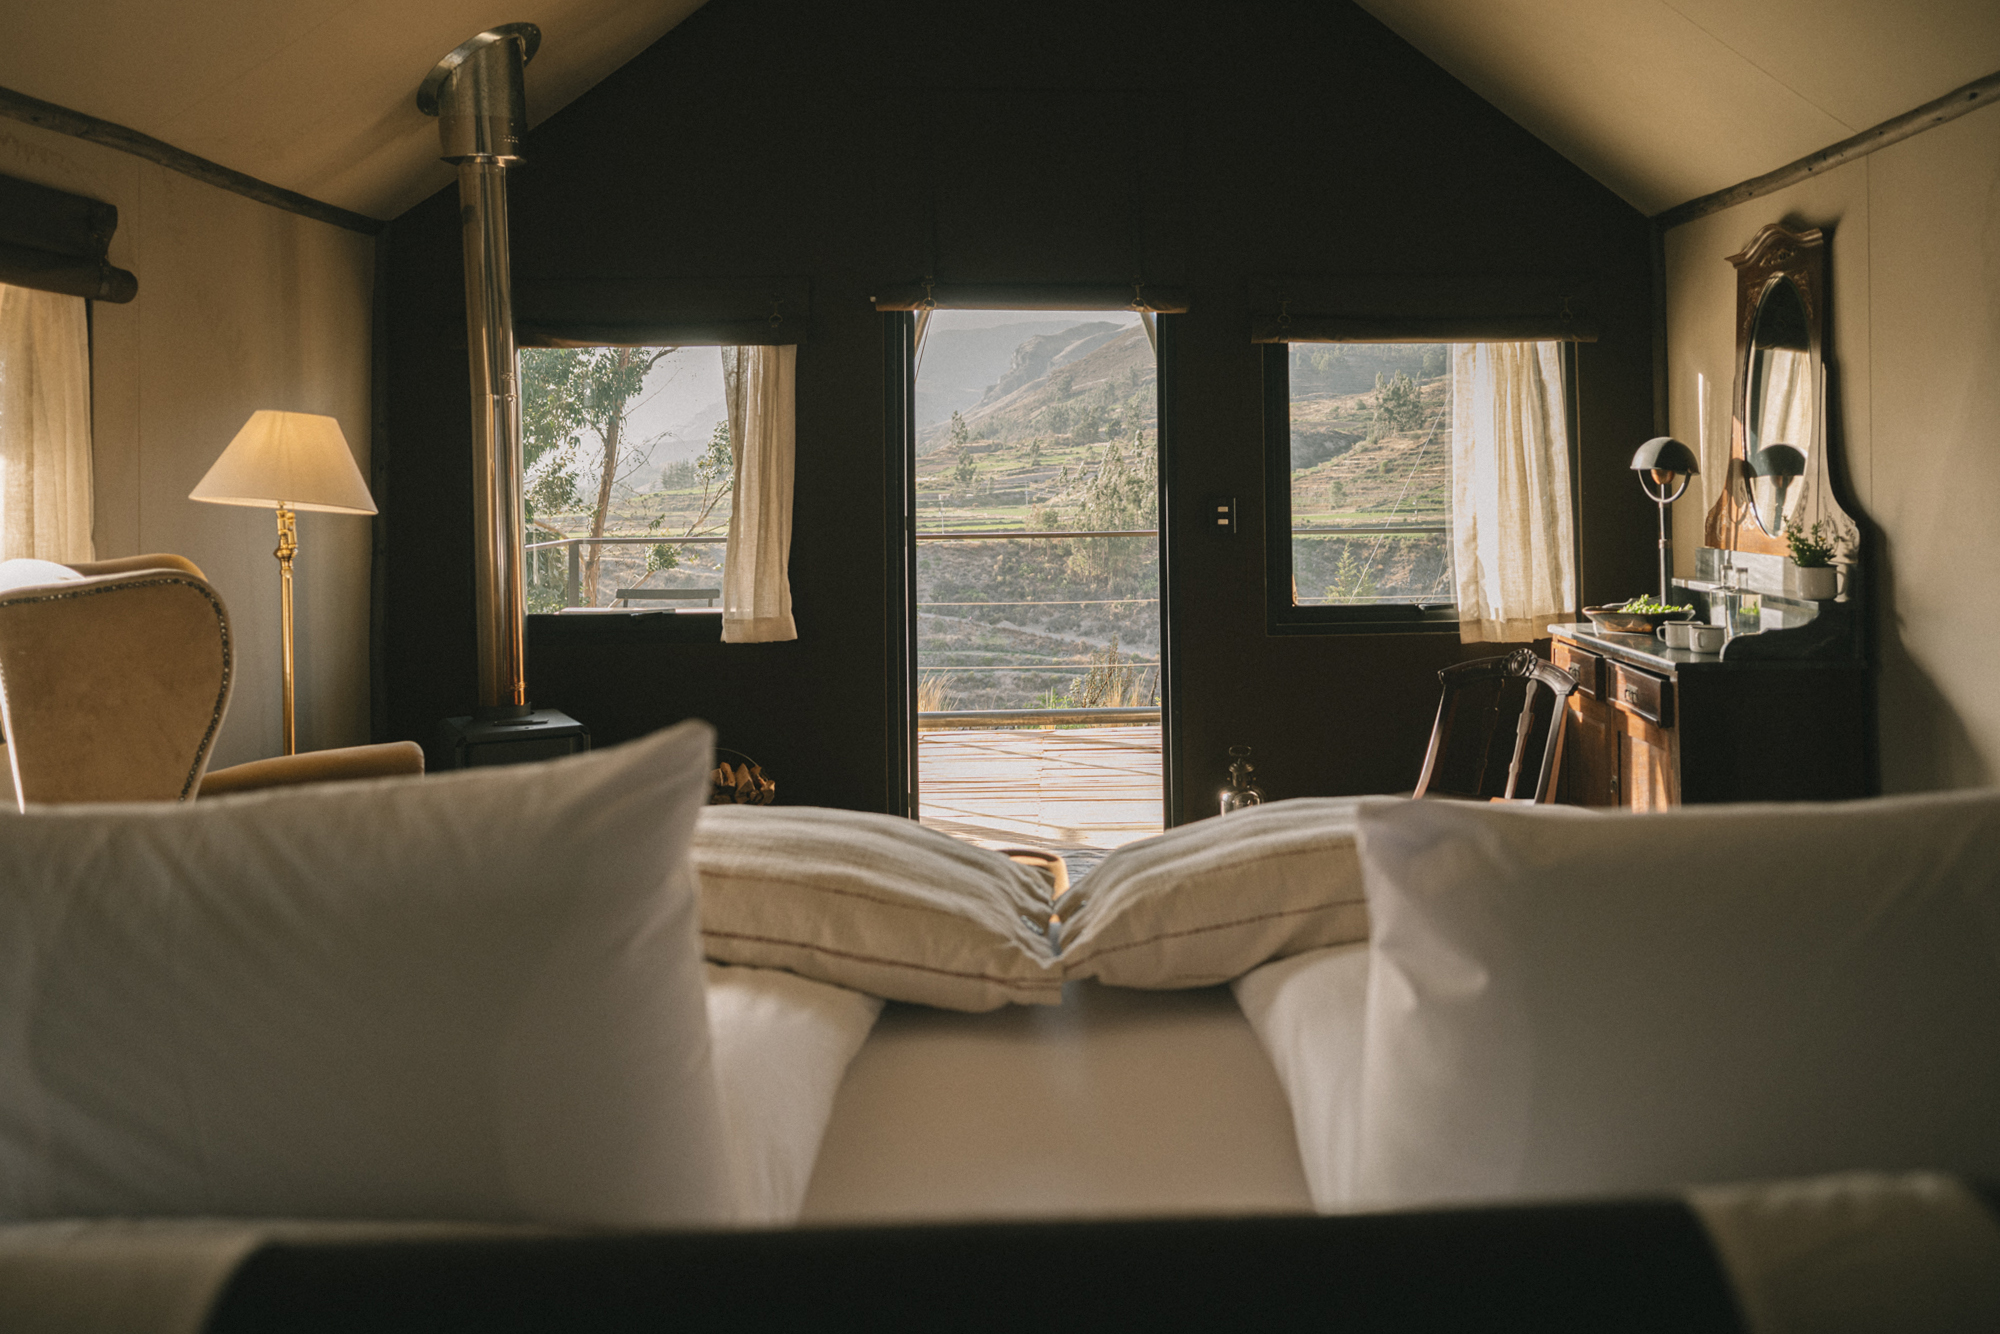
[573, 581]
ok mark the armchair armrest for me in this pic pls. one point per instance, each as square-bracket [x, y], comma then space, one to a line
[387, 760]
[158, 560]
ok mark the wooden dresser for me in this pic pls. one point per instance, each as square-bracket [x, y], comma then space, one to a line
[1651, 726]
[1785, 711]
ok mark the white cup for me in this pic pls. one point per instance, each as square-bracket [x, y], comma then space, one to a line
[1705, 638]
[1675, 633]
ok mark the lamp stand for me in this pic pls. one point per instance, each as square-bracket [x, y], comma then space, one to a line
[288, 547]
[1655, 486]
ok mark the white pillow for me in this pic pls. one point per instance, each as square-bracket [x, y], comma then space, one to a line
[470, 996]
[782, 1047]
[1209, 901]
[27, 572]
[876, 903]
[1563, 1002]
[1309, 1012]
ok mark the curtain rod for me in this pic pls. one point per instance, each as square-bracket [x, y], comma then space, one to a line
[1951, 106]
[49, 116]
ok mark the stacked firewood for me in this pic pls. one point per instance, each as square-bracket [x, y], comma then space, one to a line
[741, 785]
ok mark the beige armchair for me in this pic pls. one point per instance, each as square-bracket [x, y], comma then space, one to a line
[113, 687]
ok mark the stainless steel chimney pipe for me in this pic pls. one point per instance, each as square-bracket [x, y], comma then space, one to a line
[478, 94]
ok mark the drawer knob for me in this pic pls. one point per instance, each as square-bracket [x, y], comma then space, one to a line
[1632, 694]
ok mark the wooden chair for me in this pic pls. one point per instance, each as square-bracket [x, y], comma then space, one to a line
[1480, 699]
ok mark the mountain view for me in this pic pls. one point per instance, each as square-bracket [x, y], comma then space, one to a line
[1060, 436]
[1046, 425]
[1370, 447]
[960, 365]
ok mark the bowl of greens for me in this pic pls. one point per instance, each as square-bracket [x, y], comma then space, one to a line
[1641, 616]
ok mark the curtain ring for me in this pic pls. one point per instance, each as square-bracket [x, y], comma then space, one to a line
[1139, 296]
[1285, 313]
[930, 299]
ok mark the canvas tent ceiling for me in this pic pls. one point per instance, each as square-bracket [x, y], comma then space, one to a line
[317, 96]
[1662, 100]
[1665, 100]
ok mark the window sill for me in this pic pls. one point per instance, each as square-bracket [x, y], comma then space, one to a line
[656, 625]
[1382, 620]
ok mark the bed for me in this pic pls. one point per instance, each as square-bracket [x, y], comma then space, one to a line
[1115, 1103]
[1519, 1042]
[1078, 1058]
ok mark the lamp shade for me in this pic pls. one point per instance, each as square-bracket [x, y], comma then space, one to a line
[1778, 461]
[295, 459]
[1663, 453]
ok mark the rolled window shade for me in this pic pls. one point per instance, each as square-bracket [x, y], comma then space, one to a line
[54, 241]
[1361, 328]
[1034, 296]
[662, 312]
[1423, 308]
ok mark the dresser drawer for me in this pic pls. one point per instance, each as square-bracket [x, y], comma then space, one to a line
[1649, 696]
[1585, 666]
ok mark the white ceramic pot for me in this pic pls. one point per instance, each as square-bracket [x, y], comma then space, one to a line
[1819, 583]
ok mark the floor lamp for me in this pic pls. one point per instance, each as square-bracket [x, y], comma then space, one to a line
[287, 461]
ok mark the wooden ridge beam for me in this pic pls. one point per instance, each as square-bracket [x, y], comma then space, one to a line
[1931, 114]
[49, 116]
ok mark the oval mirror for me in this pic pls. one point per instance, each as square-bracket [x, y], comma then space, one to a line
[1782, 414]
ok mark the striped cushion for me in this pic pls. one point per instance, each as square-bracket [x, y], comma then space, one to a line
[1209, 901]
[876, 903]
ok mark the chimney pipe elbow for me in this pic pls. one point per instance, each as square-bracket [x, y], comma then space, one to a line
[479, 95]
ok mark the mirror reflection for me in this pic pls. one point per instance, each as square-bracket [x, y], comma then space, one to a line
[1784, 398]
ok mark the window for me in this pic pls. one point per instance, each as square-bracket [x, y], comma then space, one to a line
[1418, 487]
[658, 479]
[45, 478]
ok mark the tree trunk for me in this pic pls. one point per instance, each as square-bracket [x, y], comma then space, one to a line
[614, 431]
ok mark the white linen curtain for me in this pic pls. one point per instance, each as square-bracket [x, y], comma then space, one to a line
[1788, 400]
[45, 500]
[1513, 539]
[1786, 418]
[760, 384]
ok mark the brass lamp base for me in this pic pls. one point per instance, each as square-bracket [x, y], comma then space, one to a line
[288, 547]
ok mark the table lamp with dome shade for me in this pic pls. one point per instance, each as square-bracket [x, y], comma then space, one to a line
[1665, 466]
[287, 461]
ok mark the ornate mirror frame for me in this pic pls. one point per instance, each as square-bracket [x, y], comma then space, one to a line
[1776, 254]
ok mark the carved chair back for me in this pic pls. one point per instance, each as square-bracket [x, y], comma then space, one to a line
[1474, 754]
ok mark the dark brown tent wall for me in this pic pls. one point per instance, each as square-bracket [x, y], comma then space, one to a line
[1214, 152]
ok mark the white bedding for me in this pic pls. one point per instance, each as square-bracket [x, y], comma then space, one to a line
[1116, 1102]
[782, 1044]
[1309, 1012]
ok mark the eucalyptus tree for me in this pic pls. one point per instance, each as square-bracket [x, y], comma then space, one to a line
[576, 408]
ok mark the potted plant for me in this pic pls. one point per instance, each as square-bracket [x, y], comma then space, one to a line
[1812, 556]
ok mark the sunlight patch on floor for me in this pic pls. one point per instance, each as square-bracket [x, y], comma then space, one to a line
[1080, 791]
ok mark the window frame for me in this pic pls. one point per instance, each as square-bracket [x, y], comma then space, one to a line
[1283, 616]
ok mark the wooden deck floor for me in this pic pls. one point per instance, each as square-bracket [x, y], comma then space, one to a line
[1075, 790]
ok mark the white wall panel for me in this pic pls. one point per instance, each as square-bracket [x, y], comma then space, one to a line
[240, 306]
[1914, 347]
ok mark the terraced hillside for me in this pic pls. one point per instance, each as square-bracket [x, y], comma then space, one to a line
[1064, 440]
[1377, 455]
